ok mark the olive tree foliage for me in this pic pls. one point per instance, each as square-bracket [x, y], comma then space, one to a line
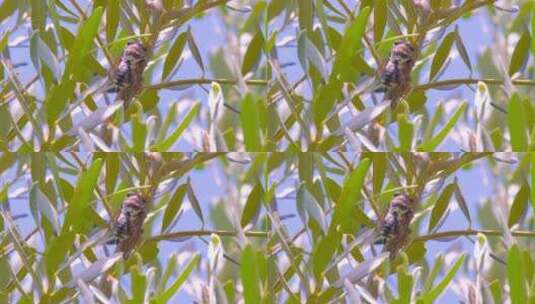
[277, 227]
[58, 62]
[247, 75]
[58, 210]
[469, 241]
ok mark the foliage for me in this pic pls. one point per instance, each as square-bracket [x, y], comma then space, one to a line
[292, 227]
[287, 74]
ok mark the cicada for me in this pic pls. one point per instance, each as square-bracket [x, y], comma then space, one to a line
[394, 226]
[128, 75]
[395, 75]
[128, 225]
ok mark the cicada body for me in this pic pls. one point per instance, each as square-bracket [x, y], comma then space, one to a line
[128, 225]
[128, 74]
[394, 226]
[395, 75]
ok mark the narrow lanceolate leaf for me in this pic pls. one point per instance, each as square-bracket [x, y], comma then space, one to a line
[462, 49]
[96, 118]
[194, 201]
[517, 124]
[515, 275]
[165, 296]
[533, 30]
[194, 49]
[83, 43]
[253, 54]
[434, 142]
[520, 54]
[441, 205]
[309, 54]
[519, 206]
[346, 205]
[82, 194]
[250, 124]
[250, 276]
[461, 202]
[380, 12]
[96, 269]
[173, 56]
[252, 206]
[363, 269]
[532, 175]
[441, 55]
[173, 206]
[167, 143]
[434, 293]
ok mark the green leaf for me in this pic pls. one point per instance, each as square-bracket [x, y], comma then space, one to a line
[139, 133]
[520, 54]
[309, 53]
[38, 14]
[250, 124]
[194, 49]
[441, 205]
[81, 198]
[249, 274]
[533, 30]
[345, 206]
[83, 43]
[252, 206]
[520, 205]
[175, 286]
[173, 56]
[253, 54]
[380, 12]
[517, 124]
[515, 275]
[434, 142]
[139, 284]
[194, 202]
[406, 133]
[532, 175]
[441, 55]
[173, 206]
[462, 49]
[57, 99]
[405, 285]
[166, 144]
[113, 11]
[325, 99]
[433, 294]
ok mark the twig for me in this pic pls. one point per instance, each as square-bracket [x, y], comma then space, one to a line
[182, 82]
[467, 81]
[188, 233]
[456, 233]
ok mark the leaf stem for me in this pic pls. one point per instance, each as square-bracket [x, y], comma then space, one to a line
[467, 81]
[457, 233]
[183, 82]
[188, 233]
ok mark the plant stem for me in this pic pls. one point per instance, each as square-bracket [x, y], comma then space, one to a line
[452, 82]
[457, 233]
[182, 82]
[188, 233]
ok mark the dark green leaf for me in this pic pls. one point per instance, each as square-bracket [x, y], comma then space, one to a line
[441, 205]
[520, 205]
[441, 55]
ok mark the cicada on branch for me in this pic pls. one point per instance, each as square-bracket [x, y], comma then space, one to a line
[394, 226]
[127, 76]
[396, 72]
[128, 224]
